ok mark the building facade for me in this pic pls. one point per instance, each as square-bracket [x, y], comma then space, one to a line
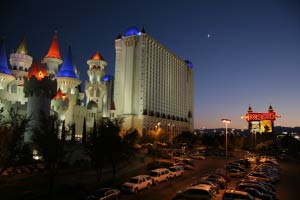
[153, 87]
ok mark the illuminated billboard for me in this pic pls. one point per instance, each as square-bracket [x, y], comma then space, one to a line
[254, 126]
[266, 126]
[260, 122]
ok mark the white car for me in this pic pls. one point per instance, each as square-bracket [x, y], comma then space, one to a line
[176, 171]
[160, 174]
[137, 183]
[200, 191]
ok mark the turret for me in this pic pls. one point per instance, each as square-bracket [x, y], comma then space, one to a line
[95, 87]
[96, 68]
[53, 58]
[250, 109]
[20, 60]
[67, 78]
[5, 73]
[39, 89]
[271, 109]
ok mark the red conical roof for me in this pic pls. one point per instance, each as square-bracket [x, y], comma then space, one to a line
[38, 72]
[54, 50]
[97, 56]
[58, 94]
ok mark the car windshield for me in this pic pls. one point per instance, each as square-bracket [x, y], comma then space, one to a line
[133, 180]
[153, 173]
[101, 192]
[172, 170]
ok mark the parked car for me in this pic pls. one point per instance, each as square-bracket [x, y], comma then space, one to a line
[236, 195]
[257, 194]
[176, 171]
[235, 173]
[216, 179]
[184, 165]
[159, 175]
[215, 187]
[260, 188]
[267, 185]
[260, 176]
[104, 194]
[203, 192]
[137, 183]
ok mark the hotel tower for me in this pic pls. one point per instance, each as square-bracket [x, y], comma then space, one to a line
[153, 88]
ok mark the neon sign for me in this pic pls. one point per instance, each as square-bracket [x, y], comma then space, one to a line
[261, 116]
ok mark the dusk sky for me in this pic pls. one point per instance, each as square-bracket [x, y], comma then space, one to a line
[244, 51]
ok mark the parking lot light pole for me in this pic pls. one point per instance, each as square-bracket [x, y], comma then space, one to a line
[226, 121]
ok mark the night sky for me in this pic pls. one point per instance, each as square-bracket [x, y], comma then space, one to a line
[244, 52]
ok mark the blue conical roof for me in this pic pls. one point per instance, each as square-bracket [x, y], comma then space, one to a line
[67, 69]
[3, 60]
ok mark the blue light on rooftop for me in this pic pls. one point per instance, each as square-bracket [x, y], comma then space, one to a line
[107, 78]
[189, 63]
[132, 31]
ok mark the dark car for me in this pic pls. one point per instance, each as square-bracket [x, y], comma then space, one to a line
[104, 194]
[257, 194]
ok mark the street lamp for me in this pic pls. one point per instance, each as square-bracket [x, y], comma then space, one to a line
[226, 121]
[171, 134]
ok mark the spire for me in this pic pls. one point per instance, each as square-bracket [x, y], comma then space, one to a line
[67, 69]
[250, 109]
[22, 49]
[3, 60]
[53, 51]
[143, 30]
[271, 109]
[97, 56]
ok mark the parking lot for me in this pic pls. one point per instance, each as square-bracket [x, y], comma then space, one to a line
[167, 190]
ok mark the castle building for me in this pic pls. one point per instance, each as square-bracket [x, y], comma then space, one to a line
[54, 87]
[153, 86]
[152, 89]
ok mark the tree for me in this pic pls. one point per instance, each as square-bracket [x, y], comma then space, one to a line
[47, 142]
[129, 141]
[185, 137]
[94, 133]
[84, 132]
[63, 132]
[106, 145]
[12, 133]
[73, 131]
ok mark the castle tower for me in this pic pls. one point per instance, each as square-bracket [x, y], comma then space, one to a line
[5, 74]
[20, 62]
[39, 89]
[95, 87]
[67, 81]
[67, 78]
[53, 58]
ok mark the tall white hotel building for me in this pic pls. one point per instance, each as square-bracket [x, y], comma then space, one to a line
[153, 88]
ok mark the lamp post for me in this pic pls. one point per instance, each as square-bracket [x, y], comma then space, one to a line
[226, 121]
[171, 134]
